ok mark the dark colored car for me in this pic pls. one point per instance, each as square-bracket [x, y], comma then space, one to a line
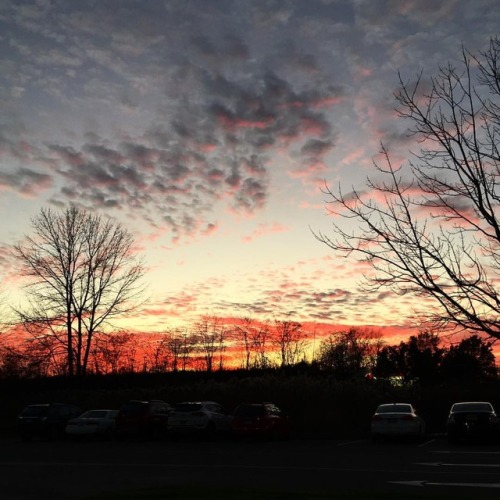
[472, 419]
[45, 420]
[143, 418]
[260, 420]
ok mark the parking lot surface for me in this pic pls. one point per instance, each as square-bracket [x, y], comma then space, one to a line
[296, 469]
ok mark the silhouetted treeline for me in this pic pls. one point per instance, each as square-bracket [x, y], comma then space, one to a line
[213, 347]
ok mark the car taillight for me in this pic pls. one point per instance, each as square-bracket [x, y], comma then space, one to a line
[408, 417]
[376, 417]
[493, 418]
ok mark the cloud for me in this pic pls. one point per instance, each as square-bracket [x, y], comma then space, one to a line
[26, 181]
[214, 145]
[264, 229]
[188, 103]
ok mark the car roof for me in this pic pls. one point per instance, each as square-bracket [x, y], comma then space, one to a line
[388, 406]
[471, 403]
[395, 404]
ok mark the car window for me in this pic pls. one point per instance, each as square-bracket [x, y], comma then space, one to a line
[59, 411]
[34, 411]
[457, 407]
[396, 408]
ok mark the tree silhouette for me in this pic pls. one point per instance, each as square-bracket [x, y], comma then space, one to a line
[432, 226]
[470, 360]
[82, 273]
[350, 353]
[289, 338]
[419, 358]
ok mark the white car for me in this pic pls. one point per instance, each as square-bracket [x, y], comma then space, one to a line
[93, 423]
[207, 417]
[397, 419]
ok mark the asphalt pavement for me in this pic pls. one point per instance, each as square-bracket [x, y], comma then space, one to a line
[292, 469]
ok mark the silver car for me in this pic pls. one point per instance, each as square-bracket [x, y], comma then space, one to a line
[397, 419]
[206, 417]
[93, 423]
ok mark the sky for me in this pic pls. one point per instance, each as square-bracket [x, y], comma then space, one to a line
[209, 129]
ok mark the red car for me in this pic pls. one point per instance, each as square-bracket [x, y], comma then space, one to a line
[260, 420]
[143, 418]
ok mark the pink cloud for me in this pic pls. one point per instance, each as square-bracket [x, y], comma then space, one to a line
[307, 171]
[264, 230]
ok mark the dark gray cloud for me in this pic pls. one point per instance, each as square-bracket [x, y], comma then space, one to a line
[167, 109]
[26, 181]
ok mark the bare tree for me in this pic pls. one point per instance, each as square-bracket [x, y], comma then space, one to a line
[289, 337]
[184, 345]
[248, 333]
[435, 231]
[179, 345]
[114, 352]
[82, 275]
[211, 335]
[169, 350]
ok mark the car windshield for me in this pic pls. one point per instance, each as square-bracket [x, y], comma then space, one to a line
[187, 407]
[249, 411]
[458, 407]
[396, 408]
[35, 411]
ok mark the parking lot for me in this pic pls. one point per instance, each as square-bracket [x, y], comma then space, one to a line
[298, 469]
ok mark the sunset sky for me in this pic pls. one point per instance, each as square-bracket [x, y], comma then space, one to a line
[208, 129]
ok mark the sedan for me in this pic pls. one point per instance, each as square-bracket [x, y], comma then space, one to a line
[397, 419]
[472, 419]
[93, 423]
[260, 420]
[206, 417]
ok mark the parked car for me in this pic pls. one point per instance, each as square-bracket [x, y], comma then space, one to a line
[397, 419]
[143, 418]
[93, 423]
[207, 417]
[260, 420]
[45, 420]
[472, 419]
